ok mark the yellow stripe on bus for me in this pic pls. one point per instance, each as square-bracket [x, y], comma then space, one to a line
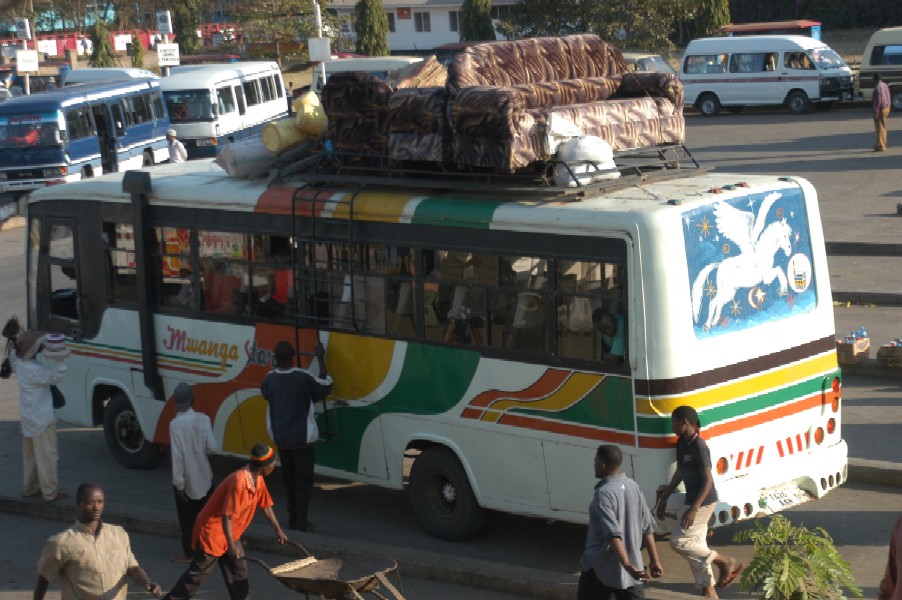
[378, 207]
[574, 390]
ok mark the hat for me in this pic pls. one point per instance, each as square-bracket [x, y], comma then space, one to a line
[183, 397]
[262, 455]
[28, 343]
[171, 133]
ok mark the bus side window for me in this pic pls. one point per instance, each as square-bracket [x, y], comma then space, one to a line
[456, 292]
[251, 92]
[159, 110]
[119, 250]
[226, 280]
[519, 320]
[239, 95]
[174, 281]
[118, 119]
[63, 273]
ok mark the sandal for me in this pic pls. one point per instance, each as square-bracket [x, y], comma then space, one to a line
[729, 579]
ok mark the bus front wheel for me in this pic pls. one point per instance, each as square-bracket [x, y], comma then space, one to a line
[442, 497]
[124, 436]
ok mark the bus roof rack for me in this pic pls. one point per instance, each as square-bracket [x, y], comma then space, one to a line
[314, 166]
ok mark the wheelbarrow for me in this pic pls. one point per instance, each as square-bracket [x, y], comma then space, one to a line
[337, 578]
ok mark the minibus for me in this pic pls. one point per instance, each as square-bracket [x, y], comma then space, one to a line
[79, 132]
[101, 74]
[760, 70]
[214, 104]
[883, 55]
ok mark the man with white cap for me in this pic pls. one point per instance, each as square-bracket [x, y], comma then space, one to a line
[39, 446]
[177, 152]
[191, 439]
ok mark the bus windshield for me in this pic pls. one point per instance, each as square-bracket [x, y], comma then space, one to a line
[29, 132]
[825, 58]
[186, 106]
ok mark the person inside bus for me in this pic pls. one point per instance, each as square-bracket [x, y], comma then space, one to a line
[222, 285]
[770, 62]
[612, 328]
[27, 135]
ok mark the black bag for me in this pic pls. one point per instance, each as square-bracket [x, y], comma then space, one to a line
[59, 400]
[6, 369]
[12, 328]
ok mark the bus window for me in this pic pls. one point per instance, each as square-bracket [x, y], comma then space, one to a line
[251, 92]
[239, 95]
[119, 246]
[189, 105]
[266, 86]
[272, 295]
[589, 291]
[520, 309]
[226, 100]
[456, 292]
[159, 112]
[141, 109]
[705, 63]
[388, 293]
[63, 273]
[79, 123]
[277, 80]
[173, 284]
[226, 280]
[118, 119]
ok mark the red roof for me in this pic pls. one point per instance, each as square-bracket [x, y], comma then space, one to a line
[768, 26]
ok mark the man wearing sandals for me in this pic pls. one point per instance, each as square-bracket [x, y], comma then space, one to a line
[39, 445]
[222, 522]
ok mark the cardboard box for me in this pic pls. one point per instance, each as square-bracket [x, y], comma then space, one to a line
[851, 353]
[889, 356]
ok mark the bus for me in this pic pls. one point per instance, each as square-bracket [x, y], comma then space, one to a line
[80, 132]
[213, 104]
[457, 319]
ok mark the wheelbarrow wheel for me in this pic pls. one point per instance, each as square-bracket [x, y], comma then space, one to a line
[442, 497]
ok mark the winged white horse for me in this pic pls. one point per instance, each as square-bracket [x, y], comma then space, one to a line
[753, 264]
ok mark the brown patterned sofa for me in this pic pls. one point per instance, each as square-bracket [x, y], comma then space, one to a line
[502, 96]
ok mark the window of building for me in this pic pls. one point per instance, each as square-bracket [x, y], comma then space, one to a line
[391, 22]
[421, 22]
[453, 20]
[500, 12]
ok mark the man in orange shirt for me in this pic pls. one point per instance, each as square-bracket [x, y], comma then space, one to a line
[222, 522]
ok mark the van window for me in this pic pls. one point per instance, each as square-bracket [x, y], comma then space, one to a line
[886, 55]
[797, 60]
[141, 108]
[158, 110]
[226, 100]
[251, 93]
[753, 62]
[239, 95]
[79, 124]
[705, 63]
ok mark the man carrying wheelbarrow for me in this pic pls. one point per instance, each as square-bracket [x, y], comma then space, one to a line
[222, 522]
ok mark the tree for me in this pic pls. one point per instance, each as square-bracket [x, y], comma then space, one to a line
[102, 54]
[372, 28]
[710, 15]
[136, 51]
[185, 23]
[282, 23]
[476, 21]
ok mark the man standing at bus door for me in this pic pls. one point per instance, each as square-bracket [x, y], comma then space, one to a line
[177, 152]
[92, 559]
[39, 443]
[191, 436]
[291, 393]
[620, 524]
[881, 104]
[222, 522]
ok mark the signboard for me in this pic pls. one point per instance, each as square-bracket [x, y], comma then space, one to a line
[319, 49]
[168, 55]
[164, 22]
[403, 14]
[27, 61]
[23, 29]
[121, 42]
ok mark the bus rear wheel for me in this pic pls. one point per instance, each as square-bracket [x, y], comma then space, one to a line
[124, 436]
[442, 497]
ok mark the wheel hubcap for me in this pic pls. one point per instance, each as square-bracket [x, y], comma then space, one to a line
[128, 432]
[449, 492]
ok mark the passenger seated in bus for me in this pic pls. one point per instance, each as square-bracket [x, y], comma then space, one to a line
[25, 135]
[221, 285]
[612, 329]
[770, 62]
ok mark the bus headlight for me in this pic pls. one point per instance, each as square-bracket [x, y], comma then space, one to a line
[56, 172]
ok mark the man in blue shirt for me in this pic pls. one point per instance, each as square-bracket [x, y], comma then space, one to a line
[611, 327]
[620, 524]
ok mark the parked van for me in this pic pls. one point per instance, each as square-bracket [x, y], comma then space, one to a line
[763, 70]
[101, 74]
[379, 66]
[883, 55]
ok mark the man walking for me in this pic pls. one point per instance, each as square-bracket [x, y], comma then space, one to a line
[881, 104]
[39, 445]
[191, 436]
[620, 524]
[92, 559]
[222, 522]
[291, 393]
[177, 152]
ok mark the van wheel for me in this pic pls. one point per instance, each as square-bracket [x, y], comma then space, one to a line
[735, 109]
[708, 105]
[86, 174]
[896, 100]
[124, 437]
[798, 102]
[442, 498]
[148, 160]
[823, 105]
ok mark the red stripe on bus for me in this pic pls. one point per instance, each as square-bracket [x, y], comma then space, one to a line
[739, 460]
[571, 429]
[551, 380]
[307, 201]
[760, 455]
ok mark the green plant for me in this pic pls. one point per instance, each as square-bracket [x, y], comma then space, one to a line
[794, 563]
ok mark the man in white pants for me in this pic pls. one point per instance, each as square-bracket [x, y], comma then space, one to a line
[39, 447]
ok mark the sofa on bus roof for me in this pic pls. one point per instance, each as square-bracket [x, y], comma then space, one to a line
[495, 107]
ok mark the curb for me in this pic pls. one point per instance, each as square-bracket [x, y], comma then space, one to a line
[490, 576]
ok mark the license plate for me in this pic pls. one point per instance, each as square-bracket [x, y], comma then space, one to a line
[782, 498]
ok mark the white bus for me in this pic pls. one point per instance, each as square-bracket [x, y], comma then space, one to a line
[756, 70]
[458, 324]
[210, 105]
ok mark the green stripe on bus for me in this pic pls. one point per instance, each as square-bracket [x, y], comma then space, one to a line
[421, 390]
[472, 213]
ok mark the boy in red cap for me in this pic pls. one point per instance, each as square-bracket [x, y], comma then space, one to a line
[222, 522]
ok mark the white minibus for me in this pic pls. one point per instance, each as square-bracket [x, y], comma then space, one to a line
[218, 103]
[103, 74]
[883, 55]
[757, 70]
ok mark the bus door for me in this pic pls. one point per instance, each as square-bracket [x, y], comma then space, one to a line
[58, 279]
[106, 133]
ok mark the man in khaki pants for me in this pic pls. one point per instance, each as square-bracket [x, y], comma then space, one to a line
[881, 111]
